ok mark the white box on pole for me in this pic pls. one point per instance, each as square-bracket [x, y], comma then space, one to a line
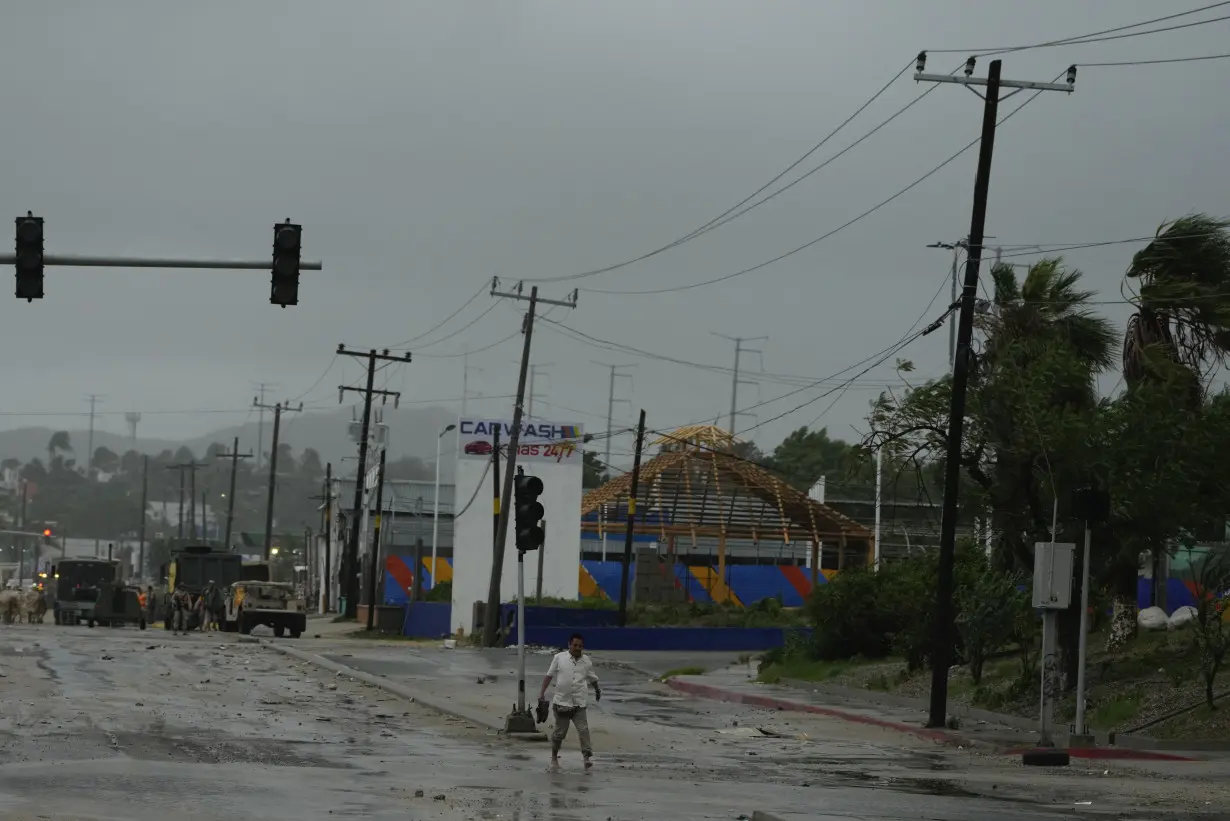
[1053, 569]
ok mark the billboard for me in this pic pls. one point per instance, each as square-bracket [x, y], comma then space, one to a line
[551, 442]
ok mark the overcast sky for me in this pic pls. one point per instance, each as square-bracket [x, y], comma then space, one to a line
[427, 147]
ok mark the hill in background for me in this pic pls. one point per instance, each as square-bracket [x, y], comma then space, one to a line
[412, 432]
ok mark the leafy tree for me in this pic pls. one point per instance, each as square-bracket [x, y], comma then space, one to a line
[593, 471]
[105, 460]
[131, 463]
[311, 468]
[59, 443]
[1210, 576]
[806, 455]
[990, 606]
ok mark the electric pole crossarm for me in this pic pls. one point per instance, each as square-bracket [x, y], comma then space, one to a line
[342, 350]
[85, 261]
[342, 389]
[1028, 85]
[571, 302]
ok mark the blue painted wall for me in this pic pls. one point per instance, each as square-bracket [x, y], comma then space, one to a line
[728, 639]
[427, 620]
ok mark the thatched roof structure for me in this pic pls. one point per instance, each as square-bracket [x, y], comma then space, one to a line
[697, 487]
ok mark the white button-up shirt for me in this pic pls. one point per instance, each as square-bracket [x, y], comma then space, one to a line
[572, 677]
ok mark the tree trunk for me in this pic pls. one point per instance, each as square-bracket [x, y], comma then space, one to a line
[1123, 623]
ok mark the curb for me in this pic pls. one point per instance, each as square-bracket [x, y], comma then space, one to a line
[399, 690]
[938, 736]
[751, 699]
[761, 815]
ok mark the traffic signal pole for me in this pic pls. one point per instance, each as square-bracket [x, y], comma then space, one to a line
[941, 652]
[29, 259]
[492, 616]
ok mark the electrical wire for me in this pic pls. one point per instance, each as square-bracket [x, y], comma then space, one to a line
[463, 328]
[441, 323]
[1155, 62]
[822, 237]
[319, 379]
[474, 495]
[1088, 37]
[696, 232]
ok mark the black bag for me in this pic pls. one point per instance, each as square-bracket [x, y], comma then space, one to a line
[540, 714]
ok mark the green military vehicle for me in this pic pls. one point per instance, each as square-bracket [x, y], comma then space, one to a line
[194, 567]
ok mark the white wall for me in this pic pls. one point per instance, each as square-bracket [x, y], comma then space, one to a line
[474, 529]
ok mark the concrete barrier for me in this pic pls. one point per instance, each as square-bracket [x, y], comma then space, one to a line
[726, 639]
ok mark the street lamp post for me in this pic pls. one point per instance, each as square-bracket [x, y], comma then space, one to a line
[435, 516]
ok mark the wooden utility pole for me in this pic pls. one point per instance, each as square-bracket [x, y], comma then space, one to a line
[144, 517]
[234, 456]
[628, 534]
[278, 409]
[326, 525]
[374, 563]
[187, 469]
[350, 559]
[941, 653]
[492, 616]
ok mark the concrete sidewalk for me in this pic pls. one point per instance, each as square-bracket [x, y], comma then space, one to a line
[1003, 734]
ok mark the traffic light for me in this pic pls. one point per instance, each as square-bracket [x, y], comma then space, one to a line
[29, 257]
[47, 535]
[529, 512]
[287, 244]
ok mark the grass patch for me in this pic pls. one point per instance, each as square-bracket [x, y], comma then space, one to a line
[682, 671]
[1115, 713]
[343, 619]
[805, 670]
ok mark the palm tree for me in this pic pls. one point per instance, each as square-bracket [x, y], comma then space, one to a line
[1182, 318]
[1183, 308]
[59, 443]
[1040, 330]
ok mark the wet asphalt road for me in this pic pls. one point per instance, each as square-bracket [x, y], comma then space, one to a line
[121, 724]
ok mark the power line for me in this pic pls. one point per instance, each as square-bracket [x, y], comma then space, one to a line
[618, 347]
[825, 236]
[463, 328]
[1155, 62]
[323, 374]
[442, 322]
[1089, 37]
[696, 232]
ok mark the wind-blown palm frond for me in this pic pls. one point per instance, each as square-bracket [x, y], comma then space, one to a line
[1183, 311]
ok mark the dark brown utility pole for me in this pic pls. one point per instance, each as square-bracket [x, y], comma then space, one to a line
[278, 409]
[350, 559]
[187, 469]
[234, 456]
[326, 525]
[632, 491]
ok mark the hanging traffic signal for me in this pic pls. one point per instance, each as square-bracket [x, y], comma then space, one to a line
[529, 512]
[287, 244]
[29, 257]
[46, 535]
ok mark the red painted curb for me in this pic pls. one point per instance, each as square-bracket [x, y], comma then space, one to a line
[939, 736]
[1113, 754]
[769, 702]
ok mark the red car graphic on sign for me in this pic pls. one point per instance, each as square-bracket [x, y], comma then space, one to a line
[479, 448]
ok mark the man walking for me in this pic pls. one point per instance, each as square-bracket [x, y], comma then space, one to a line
[181, 606]
[573, 673]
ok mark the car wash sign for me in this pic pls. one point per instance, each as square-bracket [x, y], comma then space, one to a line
[554, 442]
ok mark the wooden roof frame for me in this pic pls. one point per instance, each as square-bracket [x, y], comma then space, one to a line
[673, 473]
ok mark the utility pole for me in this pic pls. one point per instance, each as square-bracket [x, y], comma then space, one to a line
[610, 407]
[89, 457]
[734, 387]
[350, 559]
[529, 393]
[956, 248]
[326, 524]
[490, 622]
[261, 387]
[278, 409]
[187, 468]
[942, 651]
[234, 456]
[373, 569]
[21, 550]
[632, 491]
[144, 517]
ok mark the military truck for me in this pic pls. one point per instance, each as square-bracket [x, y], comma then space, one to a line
[77, 586]
[274, 604]
[117, 604]
[195, 566]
